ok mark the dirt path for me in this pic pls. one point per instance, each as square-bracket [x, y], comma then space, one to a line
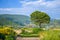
[17, 31]
[28, 38]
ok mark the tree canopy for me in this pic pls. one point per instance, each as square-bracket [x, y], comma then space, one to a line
[39, 17]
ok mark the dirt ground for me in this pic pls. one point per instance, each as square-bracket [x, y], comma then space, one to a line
[28, 38]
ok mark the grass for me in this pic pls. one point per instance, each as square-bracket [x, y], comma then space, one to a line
[50, 35]
[29, 35]
[44, 35]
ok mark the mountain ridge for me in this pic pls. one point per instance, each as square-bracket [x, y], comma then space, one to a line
[17, 19]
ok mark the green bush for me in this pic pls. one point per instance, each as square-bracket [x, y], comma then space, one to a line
[7, 33]
[34, 33]
[36, 30]
[2, 36]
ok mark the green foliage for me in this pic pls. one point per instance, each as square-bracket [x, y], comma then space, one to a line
[2, 36]
[30, 32]
[29, 35]
[9, 37]
[36, 30]
[6, 30]
[51, 35]
[7, 33]
[40, 17]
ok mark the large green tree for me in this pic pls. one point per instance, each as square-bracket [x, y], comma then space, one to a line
[39, 18]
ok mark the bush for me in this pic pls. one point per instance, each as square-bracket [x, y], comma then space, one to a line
[2, 36]
[36, 30]
[30, 32]
[7, 33]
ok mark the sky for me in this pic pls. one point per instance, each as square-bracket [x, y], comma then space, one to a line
[26, 7]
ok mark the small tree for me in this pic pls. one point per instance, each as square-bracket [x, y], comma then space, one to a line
[40, 17]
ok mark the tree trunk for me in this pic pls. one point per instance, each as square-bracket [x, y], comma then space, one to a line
[40, 25]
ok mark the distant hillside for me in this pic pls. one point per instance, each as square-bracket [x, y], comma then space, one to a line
[55, 23]
[7, 19]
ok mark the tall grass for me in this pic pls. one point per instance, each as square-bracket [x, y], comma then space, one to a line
[51, 35]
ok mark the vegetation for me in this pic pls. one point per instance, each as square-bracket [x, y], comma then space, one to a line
[50, 35]
[30, 32]
[40, 17]
[2, 36]
[10, 26]
[7, 33]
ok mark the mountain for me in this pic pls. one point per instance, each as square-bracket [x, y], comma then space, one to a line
[7, 19]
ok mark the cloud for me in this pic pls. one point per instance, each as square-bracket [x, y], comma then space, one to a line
[49, 4]
[50, 7]
[38, 2]
[23, 11]
[53, 4]
[5, 9]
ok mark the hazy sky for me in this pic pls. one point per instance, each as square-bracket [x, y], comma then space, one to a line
[26, 7]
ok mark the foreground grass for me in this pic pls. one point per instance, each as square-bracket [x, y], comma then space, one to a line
[50, 35]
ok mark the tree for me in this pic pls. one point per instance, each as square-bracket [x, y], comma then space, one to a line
[39, 18]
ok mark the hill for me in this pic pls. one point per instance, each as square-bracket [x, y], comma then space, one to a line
[7, 19]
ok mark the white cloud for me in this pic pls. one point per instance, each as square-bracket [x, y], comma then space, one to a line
[49, 4]
[38, 2]
[5, 9]
[53, 4]
[23, 11]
